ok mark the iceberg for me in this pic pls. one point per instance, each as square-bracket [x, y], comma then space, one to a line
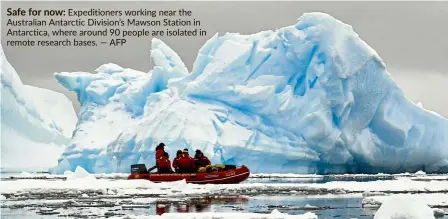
[308, 98]
[36, 123]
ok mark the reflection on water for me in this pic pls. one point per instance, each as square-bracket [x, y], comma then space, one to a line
[325, 206]
[206, 204]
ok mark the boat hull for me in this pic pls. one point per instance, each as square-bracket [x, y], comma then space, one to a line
[225, 177]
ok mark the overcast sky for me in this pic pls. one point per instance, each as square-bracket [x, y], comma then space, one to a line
[409, 36]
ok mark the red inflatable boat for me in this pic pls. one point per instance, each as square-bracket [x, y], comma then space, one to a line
[228, 176]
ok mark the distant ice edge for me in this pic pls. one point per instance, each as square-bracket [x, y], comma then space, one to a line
[307, 98]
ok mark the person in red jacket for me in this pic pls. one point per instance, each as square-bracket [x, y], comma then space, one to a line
[201, 160]
[160, 150]
[176, 164]
[186, 163]
[192, 164]
[164, 164]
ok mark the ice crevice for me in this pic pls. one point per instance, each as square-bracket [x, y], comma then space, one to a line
[308, 98]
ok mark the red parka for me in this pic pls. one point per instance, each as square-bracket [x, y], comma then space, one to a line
[176, 164]
[185, 162]
[159, 153]
[164, 163]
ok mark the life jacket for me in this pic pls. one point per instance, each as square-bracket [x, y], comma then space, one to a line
[159, 153]
[186, 162]
[176, 164]
[164, 163]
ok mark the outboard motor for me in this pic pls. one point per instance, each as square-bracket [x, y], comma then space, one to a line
[138, 169]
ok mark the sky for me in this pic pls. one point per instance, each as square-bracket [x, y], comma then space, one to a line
[409, 36]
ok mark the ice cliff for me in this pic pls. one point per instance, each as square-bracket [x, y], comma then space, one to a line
[36, 123]
[307, 98]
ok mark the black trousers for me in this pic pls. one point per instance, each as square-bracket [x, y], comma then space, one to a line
[185, 170]
[152, 168]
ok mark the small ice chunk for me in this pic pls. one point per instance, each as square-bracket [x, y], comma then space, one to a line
[420, 172]
[310, 207]
[80, 173]
[2, 197]
[275, 211]
[71, 202]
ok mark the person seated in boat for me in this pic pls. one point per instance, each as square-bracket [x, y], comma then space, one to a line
[160, 150]
[200, 159]
[176, 164]
[186, 163]
[164, 164]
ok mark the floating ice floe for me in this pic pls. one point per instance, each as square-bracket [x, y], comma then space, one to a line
[181, 188]
[404, 207]
[431, 199]
[420, 173]
[80, 173]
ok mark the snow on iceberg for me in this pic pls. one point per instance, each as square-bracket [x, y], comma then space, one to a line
[307, 98]
[36, 123]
